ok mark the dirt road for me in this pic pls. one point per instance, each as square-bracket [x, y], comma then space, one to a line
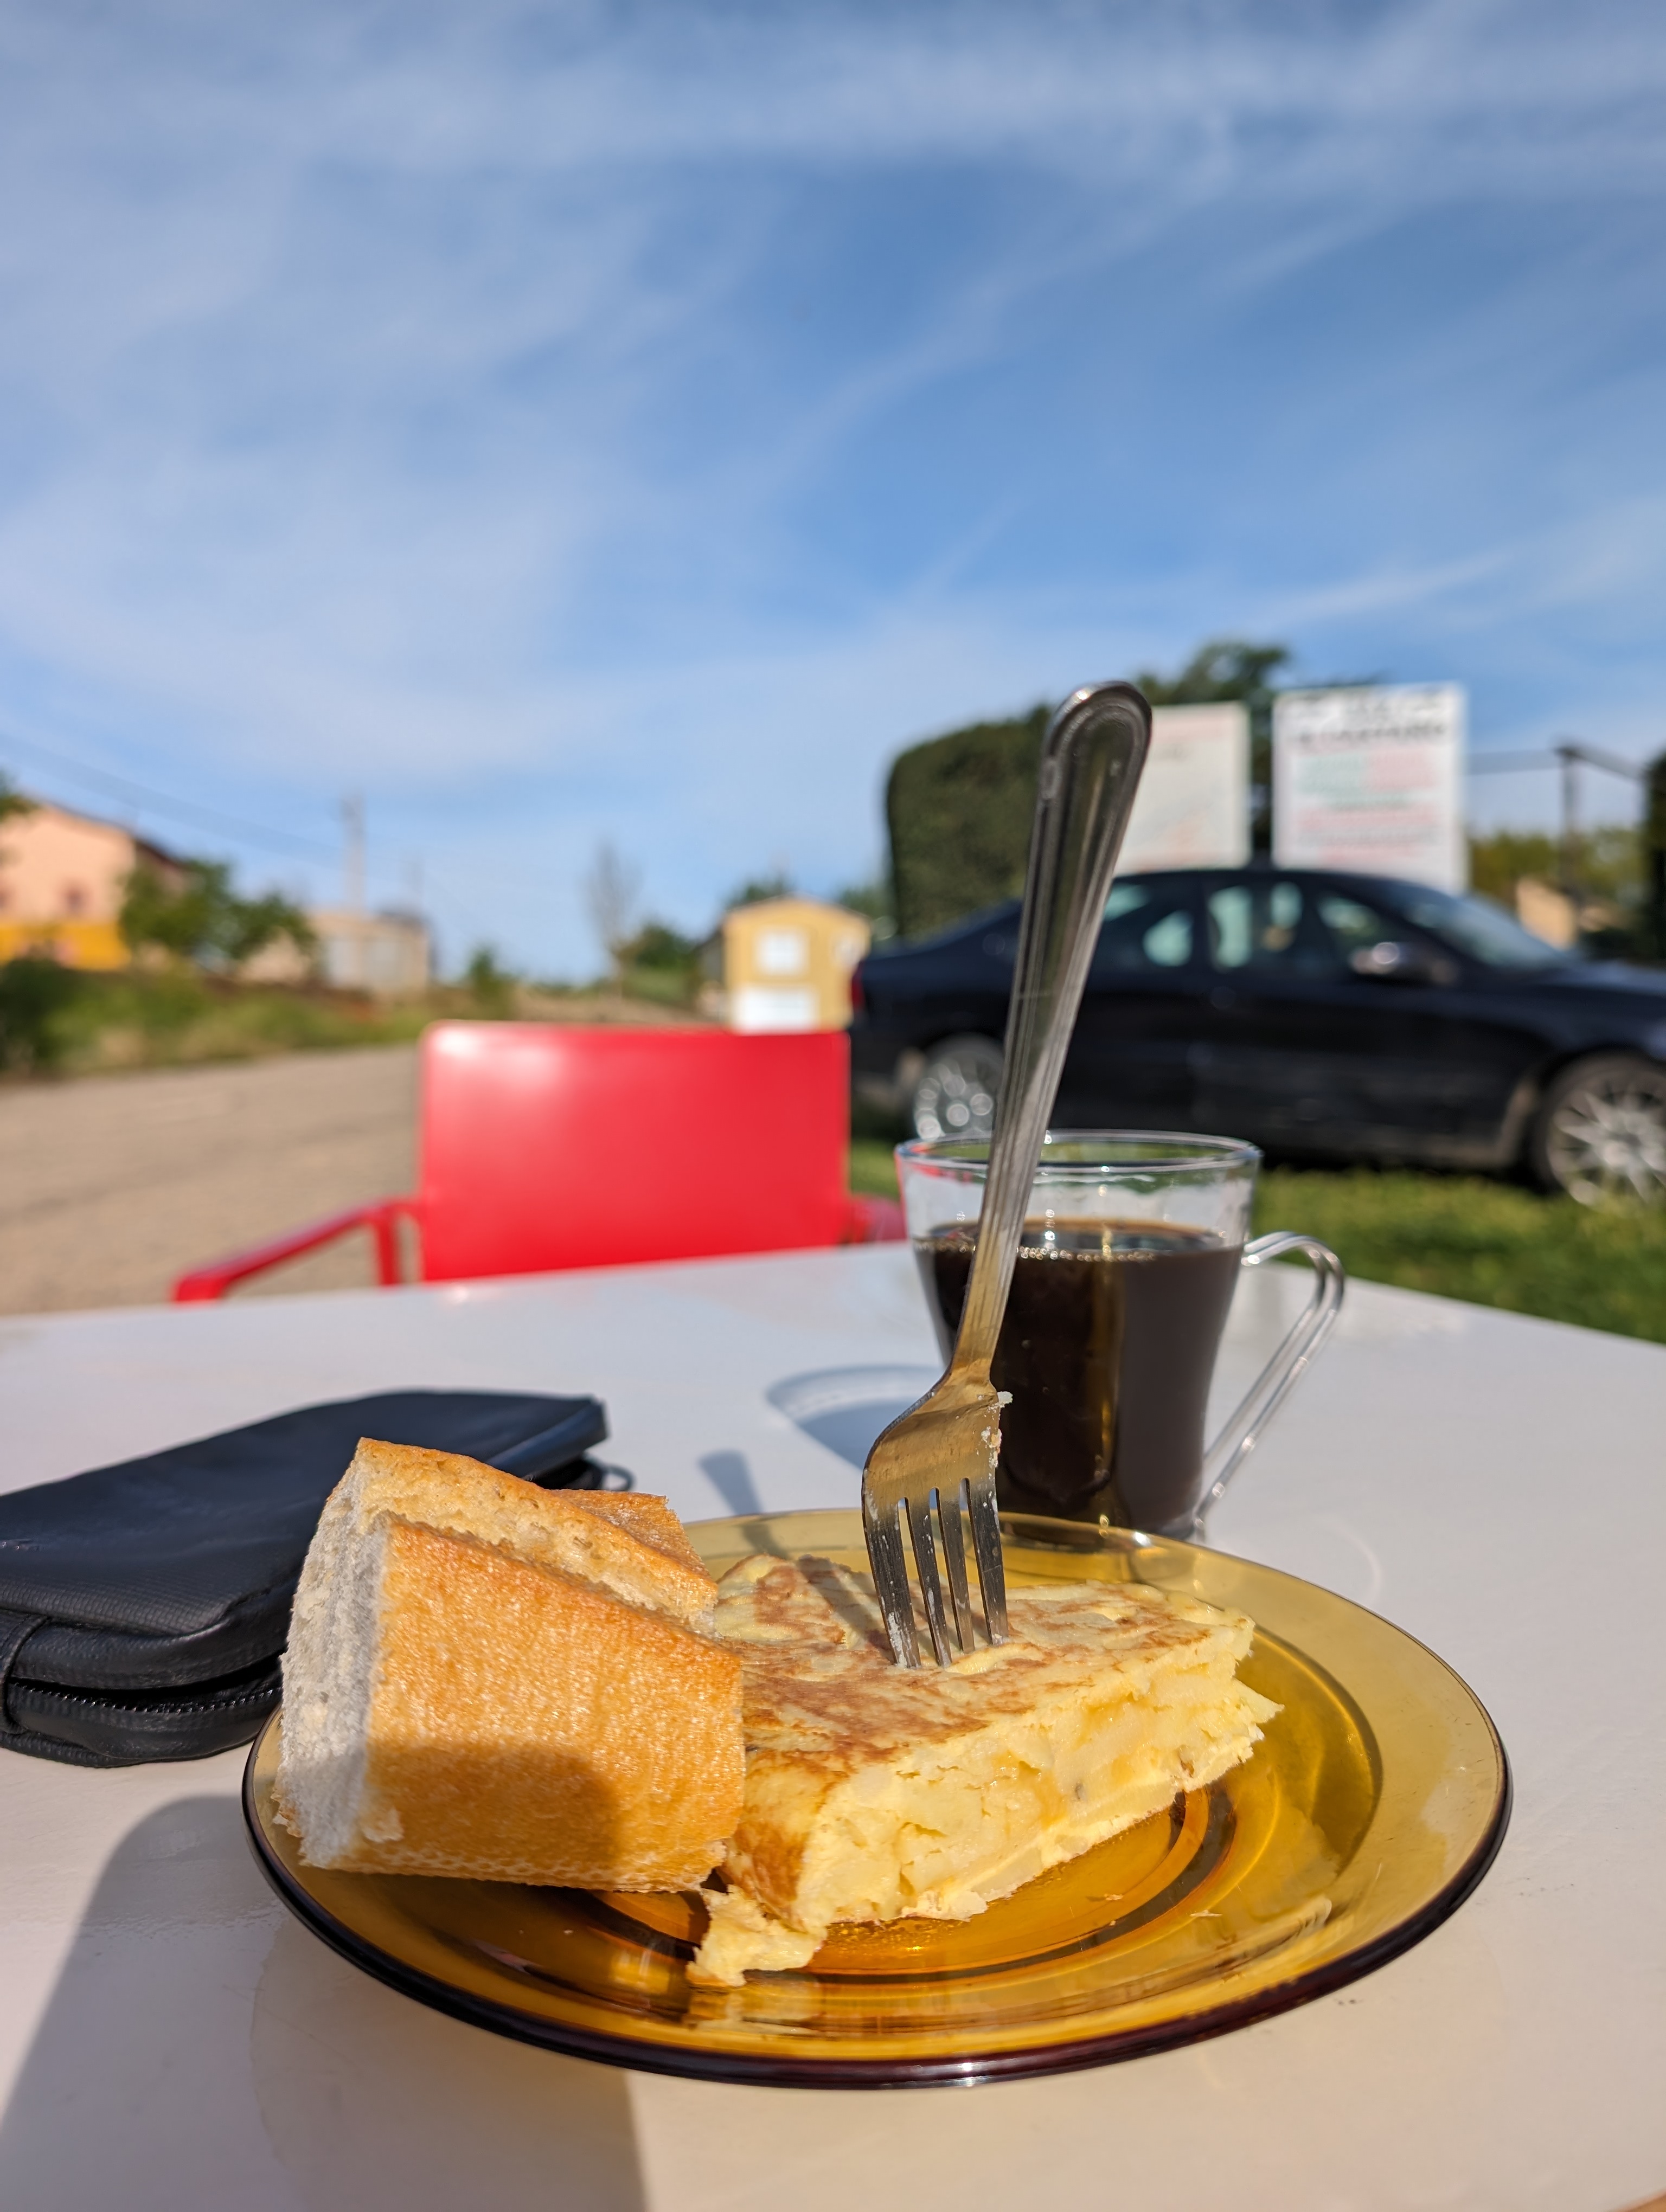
[111, 1186]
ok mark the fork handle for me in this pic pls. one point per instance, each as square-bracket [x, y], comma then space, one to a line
[1091, 760]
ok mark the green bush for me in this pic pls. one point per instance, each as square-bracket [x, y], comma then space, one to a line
[36, 996]
[958, 809]
[490, 983]
[203, 921]
[172, 1017]
[661, 965]
[1654, 861]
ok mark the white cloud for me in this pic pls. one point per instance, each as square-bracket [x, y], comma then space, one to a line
[368, 373]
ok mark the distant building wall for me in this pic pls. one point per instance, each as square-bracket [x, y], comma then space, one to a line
[1548, 911]
[389, 955]
[62, 878]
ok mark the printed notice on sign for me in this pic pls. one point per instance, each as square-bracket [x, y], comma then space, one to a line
[1371, 780]
[1193, 806]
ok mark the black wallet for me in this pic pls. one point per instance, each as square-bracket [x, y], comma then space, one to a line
[143, 1608]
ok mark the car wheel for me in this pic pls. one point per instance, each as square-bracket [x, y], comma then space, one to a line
[1601, 1133]
[955, 1096]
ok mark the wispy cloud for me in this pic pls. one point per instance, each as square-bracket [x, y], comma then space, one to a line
[571, 418]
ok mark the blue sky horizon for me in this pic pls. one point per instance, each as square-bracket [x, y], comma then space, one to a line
[564, 423]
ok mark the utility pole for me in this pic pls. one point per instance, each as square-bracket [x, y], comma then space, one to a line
[1569, 755]
[352, 825]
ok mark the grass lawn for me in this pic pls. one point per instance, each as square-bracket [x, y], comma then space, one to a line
[1461, 1237]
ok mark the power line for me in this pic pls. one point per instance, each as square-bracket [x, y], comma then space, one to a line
[1557, 756]
[185, 810]
[1594, 756]
[1501, 763]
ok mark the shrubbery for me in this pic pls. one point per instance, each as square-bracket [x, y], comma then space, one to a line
[203, 921]
[36, 995]
[958, 809]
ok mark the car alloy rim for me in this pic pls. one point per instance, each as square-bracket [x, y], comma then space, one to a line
[954, 1101]
[1607, 1140]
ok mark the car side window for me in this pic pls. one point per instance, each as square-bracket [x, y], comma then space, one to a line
[1268, 929]
[1143, 929]
[1353, 926]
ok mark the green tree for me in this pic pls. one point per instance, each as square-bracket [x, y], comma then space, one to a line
[490, 983]
[958, 811]
[757, 889]
[1654, 859]
[959, 807]
[1611, 867]
[202, 920]
[1499, 861]
[660, 963]
[658, 946]
[874, 900]
[12, 801]
[1233, 668]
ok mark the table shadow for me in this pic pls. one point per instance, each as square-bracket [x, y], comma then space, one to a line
[200, 2050]
[844, 1408]
[373, 2101]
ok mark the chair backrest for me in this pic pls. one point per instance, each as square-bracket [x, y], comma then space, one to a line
[543, 1146]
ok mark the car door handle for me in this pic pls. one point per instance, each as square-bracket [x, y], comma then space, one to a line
[1222, 1000]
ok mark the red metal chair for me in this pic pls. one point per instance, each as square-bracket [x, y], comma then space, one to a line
[546, 1147]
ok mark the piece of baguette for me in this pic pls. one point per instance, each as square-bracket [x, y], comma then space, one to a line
[488, 1679]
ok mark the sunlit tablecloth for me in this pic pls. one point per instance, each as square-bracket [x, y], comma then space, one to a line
[170, 2040]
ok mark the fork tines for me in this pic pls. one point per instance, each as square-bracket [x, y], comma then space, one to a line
[929, 1512]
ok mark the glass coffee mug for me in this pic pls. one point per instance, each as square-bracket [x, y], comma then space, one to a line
[1132, 1246]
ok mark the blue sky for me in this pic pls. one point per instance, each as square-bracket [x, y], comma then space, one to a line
[637, 422]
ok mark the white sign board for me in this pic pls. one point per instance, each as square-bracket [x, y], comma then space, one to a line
[1193, 806]
[1371, 780]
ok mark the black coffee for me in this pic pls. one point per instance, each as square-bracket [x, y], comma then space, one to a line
[1108, 1348]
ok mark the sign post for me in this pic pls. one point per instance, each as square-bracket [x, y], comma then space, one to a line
[1371, 781]
[1193, 806]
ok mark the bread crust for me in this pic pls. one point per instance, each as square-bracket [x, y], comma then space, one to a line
[489, 1680]
[527, 1727]
[632, 1545]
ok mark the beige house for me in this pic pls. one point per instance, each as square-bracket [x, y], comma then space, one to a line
[1560, 918]
[787, 964]
[389, 955]
[62, 877]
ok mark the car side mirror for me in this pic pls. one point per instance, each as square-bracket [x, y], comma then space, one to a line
[1390, 962]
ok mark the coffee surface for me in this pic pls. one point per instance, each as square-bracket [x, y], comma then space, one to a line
[1108, 1348]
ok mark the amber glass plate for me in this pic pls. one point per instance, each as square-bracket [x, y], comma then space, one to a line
[1372, 1808]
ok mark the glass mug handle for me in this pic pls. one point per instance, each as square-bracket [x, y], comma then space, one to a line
[1239, 1438]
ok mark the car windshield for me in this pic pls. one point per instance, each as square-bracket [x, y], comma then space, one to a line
[1476, 926]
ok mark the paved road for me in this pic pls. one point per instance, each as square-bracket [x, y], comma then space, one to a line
[111, 1186]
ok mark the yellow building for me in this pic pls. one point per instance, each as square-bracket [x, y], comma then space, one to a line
[62, 877]
[788, 962]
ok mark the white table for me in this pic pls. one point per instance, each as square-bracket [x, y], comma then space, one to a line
[171, 2041]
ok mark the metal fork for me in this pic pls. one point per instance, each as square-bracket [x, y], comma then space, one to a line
[942, 1452]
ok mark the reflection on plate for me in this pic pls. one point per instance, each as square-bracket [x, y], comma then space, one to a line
[1370, 1810]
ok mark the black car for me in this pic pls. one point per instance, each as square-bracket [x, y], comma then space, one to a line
[1324, 1017]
